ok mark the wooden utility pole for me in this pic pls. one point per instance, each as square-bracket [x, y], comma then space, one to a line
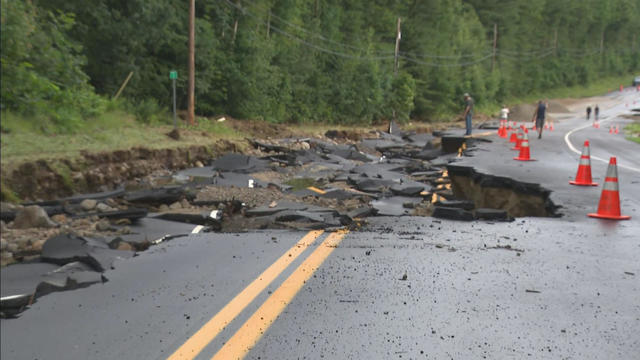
[398, 36]
[495, 43]
[192, 62]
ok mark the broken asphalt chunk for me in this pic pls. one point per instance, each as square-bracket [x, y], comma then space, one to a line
[71, 276]
[239, 163]
[164, 195]
[460, 204]
[207, 218]
[65, 248]
[452, 213]
[493, 214]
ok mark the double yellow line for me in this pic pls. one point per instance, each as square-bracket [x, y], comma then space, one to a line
[253, 329]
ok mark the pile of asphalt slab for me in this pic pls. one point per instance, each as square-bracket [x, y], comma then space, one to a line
[67, 262]
[390, 174]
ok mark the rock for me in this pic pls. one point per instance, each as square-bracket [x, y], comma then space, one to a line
[199, 164]
[125, 230]
[175, 206]
[3, 226]
[3, 244]
[122, 222]
[6, 207]
[124, 246]
[23, 243]
[59, 218]
[81, 222]
[102, 207]
[6, 255]
[37, 245]
[12, 247]
[88, 204]
[111, 202]
[103, 225]
[163, 208]
[185, 203]
[33, 216]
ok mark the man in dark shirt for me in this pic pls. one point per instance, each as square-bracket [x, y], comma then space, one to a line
[468, 112]
[538, 117]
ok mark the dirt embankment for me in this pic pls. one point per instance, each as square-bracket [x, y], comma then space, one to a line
[50, 179]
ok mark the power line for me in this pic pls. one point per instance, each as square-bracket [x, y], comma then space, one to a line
[516, 55]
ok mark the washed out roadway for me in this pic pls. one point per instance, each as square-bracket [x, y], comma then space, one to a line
[407, 287]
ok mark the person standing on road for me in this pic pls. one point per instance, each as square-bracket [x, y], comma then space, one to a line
[468, 112]
[588, 112]
[538, 117]
[504, 113]
[596, 113]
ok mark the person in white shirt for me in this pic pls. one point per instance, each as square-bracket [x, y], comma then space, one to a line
[504, 114]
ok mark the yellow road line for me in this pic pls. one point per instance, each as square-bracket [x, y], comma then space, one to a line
[194, 345]
[251, 331]
[319, 191]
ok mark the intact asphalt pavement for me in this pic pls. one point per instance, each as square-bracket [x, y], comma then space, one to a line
[401, 287]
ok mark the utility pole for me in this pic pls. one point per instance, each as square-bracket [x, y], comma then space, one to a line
[495, 43]
[192, 62]
[398, 36]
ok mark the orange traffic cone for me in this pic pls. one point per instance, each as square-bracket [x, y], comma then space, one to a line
[514, 136]
[583, 177]
[617, 130]
[551, 127]
[502, 132]
[546, 126]
[609, 206]
[524, 150]
[610, 129]
[519, 138]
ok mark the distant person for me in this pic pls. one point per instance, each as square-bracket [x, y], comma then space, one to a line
[504, 113]
[588, 112]
[468, 112]
[538, 117]
[596, 112]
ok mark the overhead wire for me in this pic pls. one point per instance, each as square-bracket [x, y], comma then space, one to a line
[516, 55]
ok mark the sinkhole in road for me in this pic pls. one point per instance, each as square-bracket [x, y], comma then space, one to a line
[517, 198]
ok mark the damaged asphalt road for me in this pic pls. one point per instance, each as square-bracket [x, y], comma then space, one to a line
[400, 284]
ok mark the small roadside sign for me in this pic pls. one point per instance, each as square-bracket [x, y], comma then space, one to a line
[173, 74]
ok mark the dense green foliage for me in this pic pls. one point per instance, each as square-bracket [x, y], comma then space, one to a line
[320, 60]
[42, 67]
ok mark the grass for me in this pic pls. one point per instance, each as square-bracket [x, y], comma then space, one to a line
[634, 132]
[30, 139]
